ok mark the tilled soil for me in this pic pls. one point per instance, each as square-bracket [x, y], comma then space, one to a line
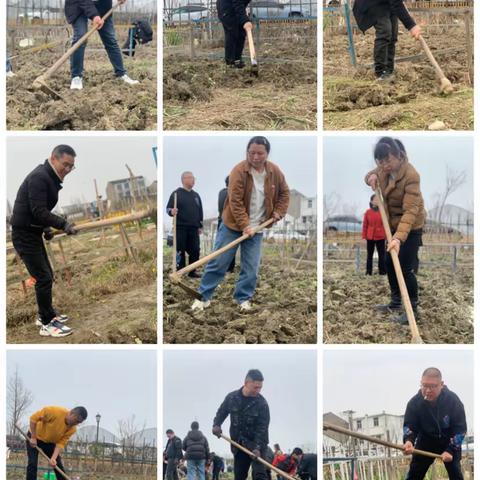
[445, 312]
[283, 96]
[105, 103]
[353, 99]
[285, 310]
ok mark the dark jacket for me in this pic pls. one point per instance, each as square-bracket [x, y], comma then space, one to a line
[248, 422]
[218, 463]
[439, 427]
[286, 463]
[222, 196]
[233, 11]
[173, 449]
[36, 198]
[88, 8]
[195, 446]
[366, 12]
[308, 465]
[190, 209]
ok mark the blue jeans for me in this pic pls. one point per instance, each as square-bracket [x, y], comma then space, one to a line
[109, 40]
[251, 252]
[194, 468]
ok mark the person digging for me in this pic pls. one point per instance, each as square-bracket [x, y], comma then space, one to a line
[50, 430]
[434, 421]
[399, 184]
[257, 191]
[384, 15]
[32, 221]
[77, 13]
[288, 463]
[249, 422]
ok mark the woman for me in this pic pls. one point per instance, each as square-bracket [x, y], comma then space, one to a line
[399, 183]
[257, 191]
[374, 234]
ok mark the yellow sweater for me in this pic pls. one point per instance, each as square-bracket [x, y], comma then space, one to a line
[51, 426]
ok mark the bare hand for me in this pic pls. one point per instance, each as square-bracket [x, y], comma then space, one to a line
[415, 32]
[33, 442]
[373, 180]
[200, 231]
[53, 462]
[249, 231]
[276, 216]
[174, 211]
[98, 22]
[408, 448]
[447, 457]
[217, 430]
[248, 26]
[394, 245]
[121, 2]
[256, 453]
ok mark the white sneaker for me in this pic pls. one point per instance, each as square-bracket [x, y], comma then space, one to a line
[10, 74]
[200, 305]
[128, 80]
[55, 329]
[59, 318]
[245, 306]
[77, 83]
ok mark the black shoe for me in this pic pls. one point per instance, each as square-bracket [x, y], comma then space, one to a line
[388, 307]
[386, 77]
[194, 274]
[239, 64]
[402, 319]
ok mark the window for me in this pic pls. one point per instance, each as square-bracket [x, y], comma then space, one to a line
[359, 424]
[375, 421]
[310, 204]
[304, 219]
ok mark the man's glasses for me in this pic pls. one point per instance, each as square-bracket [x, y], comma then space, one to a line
[68, 166]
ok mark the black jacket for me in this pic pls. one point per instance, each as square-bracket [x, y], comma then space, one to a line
[233, 11]
[218, 463]
[36, 198]
[196, 446]
[190, 209]
[248, 421]
[173, 449]
[308, 465]
[222, 196]
[366, 12]
[89, 8]
[439, 427]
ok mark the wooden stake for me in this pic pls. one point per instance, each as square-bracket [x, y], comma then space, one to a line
[68, 274]
[174, 230]
[20, 272]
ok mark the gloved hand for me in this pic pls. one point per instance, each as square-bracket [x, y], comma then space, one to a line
[217, 431]
[256, 453]
[70, 229]
[48, 234]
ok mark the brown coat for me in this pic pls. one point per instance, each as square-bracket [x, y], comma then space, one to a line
[240, 186]
[403, 200]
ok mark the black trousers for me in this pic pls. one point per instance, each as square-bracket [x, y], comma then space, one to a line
[235, 34]
[171, 473]
[380, 246]
[419, 465]
[188, 241]
[386, 34]
[216, 474]
[32, 455]
[29, 246]
[241, 466]
[408, 261]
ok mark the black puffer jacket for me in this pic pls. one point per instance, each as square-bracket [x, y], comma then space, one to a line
[439, 427]
[248, 422]
[233, 11]
[195, 446]
[366, 12]
[36, 198]
[89, 8]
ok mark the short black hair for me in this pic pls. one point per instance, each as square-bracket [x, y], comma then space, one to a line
[194, 426]
[227, 180]
[388, 145]
[169, 431]
[297, 451]
[432, 372]
[254, 375]
[60, 150]
[80, 412]
[259, 140]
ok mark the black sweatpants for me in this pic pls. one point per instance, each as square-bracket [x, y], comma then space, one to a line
[32, 455]
[386, 35]
[188, 241]
[29, 246]
[241, 466]
[420, 465]
[380, 246]
[408, 260]
[235, 34]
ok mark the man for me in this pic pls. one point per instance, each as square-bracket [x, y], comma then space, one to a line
[218, 465]
[172, 454]
[197, 452]
[50, 430]
[434, 421]
[32, 217]
[222, 197]
[383, 15]
[249, 421]
[257, 191]
[307, 470]
[288, 463]
[78, 12]
[189, 213]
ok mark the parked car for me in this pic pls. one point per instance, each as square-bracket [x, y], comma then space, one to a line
[189, 13]
[342, 223]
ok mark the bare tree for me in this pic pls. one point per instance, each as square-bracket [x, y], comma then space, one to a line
[19, 398]
[453, 181]
[330, 204]
[130, 432]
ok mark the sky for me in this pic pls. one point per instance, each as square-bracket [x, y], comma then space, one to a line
[101, 158]
[346, 161]
[373, 381]
[116, 384]
[212, 158]
[196, 383]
